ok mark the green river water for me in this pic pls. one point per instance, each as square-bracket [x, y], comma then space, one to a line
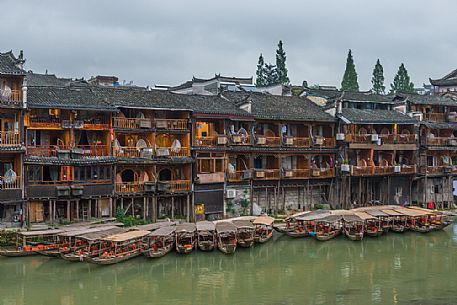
[409, 268]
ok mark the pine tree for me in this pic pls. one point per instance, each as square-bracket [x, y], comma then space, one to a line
[271, 75]
[378, 79]
[260, 73]
[402, 82]
[349, 82]
[281, 64]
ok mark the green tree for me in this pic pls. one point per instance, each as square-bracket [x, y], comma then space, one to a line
[402, 82]
[271, 75]
[281, 64]
[378, 79]
[260, 73]
[349, 82]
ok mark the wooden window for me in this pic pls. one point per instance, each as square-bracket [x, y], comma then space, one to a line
[67, 173]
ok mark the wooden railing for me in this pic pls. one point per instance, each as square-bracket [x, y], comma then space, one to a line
[362, 170]
[11, 96]
[324, 142]
[238, 139]
[9, 138]
[95, 150]
[45, 123]
[268, 141]
[132, 123]
[9, 184]
[129, 187]
[440, 141]
[358, 138]
[323, 172]
[127, 152]
[182, 152]
[171, 124]
[240, 175]
[266, 174]
[385, 139]
[96, 124]
[382, 170]
[434, 170]
[180, 185]
[435, 117]
[388, 138]
[296, 141]
[46, 150]
[407, 169]
[296, 173]
[205, 141]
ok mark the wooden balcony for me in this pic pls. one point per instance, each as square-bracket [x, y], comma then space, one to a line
[175, 186]
[268, 141]
[324, 142]
[11, 96]
[406, 138]
[9, 138]
[388, 138]
[435, 117]
[296, 173]
[362, 170]
[132, 123]
[171, 152]
[296, 141]
[94, 150]
[10, 184]
[45, 123]
[129, 187]
[407, 169]
[237, 139]
[382, 170]
[267, 174]
[441, 141]
[127, 152]
[211, 141]
[171, 124]
[323, 173]
[96, 124]
[237, 176]
[436, 170]
[46, 150]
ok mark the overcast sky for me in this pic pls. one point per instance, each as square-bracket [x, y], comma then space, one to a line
[167, 42]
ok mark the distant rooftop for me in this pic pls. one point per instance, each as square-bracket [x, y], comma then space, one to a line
[448, 80]
[10, 65]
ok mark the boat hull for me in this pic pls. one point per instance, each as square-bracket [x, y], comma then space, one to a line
[281, 228]
[327, 236]
[159, 253]
[206, 246]
[398, 229]
[110, 261]
[422, 229]
[227, 249]
[355, 236]
[297, 234]
[16, 253]
[263, 239]
[72, 257]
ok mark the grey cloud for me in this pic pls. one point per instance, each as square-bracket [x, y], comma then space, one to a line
[167, 42]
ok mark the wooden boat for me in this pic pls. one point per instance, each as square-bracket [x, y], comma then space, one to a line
[282, 227]
[120, 247]
[245, 232]
[373, 225]
[87, 244]
[206, 235]
[304, 225]
[353, 227]
[160, 242]
[384, 219]
[418, 220]
[327, 227]
[263, 228]
[31, 242]
[226, 237]
[154, 226]
[398, 220]
[186, 237]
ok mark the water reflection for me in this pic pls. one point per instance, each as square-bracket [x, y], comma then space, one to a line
[395, 268]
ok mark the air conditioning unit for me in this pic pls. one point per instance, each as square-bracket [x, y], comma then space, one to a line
[147, 153]
[345, 168]
[260, 174]
[374, 138]
[221, 140]
[247, 174]
[397, 169]
[289, 141]
[162, 152]
[149, 187]
[63, 191]
[340, 136]
[145, 123]
[78, 125]
[261, 140]
[77, 190]
[66, 124]
[161, 124]
[230, 194]
[288, 174]
[163, 186]
[319, 141]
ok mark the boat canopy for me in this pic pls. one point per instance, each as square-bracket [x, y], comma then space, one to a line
[352, 218]
[314, 215]
[412, 212]
[376, 213]
[121, 237]
[364, 215]
[341, 212]
[101, 234]
[155, 226]
[205, 226]
[86, 231]
[186, 227]
[330, 218]
[164, 231]
[41, 232]
[225, 227]
[392, 212]
[264, 220]
[243, 224]
[248, 218]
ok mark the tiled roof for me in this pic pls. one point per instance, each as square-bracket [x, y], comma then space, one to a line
[8, 64]
[427, 99]
[42, 80]
[448, 80]
[274, 107]
[376, 116]
[366, 97]
[441, 125]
